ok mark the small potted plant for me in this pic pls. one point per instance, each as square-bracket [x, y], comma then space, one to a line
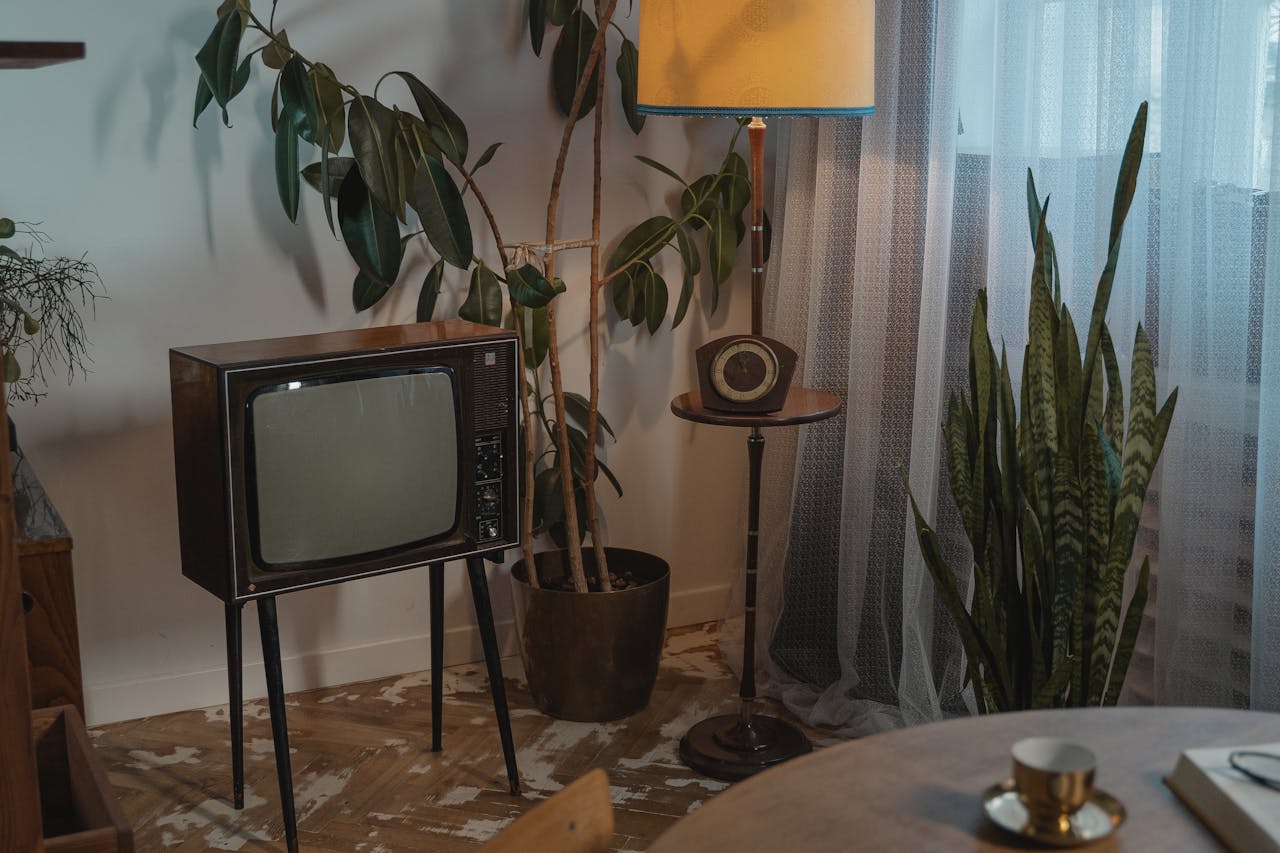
[411, 161]
[42, 305]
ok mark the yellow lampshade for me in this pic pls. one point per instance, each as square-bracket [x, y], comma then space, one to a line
[757, 57]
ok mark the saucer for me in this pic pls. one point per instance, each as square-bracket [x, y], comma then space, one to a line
[1095, 820]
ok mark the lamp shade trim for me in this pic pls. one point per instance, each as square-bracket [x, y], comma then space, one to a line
[762, 112]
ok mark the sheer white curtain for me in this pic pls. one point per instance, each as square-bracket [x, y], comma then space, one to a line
[885, 229]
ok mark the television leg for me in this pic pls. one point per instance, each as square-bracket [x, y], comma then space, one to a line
[279, 727]
[235, 700]
[489, 639]
[437, 654]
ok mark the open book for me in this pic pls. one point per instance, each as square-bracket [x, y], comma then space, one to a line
[1242, 813]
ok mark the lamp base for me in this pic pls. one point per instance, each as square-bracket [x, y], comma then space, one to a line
[728, 748]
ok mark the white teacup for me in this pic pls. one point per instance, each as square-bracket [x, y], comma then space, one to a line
[1054, 778]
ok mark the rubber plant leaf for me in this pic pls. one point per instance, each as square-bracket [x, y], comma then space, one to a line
[444, 217]
[569, 63]
[430, 292]
[371, 234]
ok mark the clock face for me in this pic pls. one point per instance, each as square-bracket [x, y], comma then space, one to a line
[744, 371]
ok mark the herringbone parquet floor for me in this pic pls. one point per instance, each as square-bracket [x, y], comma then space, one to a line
[366, 780]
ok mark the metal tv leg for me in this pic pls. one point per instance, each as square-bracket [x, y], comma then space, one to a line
[279, 726]
[489, 639]
[235, 700]
[437, 654]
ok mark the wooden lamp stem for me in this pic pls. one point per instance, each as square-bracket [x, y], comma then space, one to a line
[755, 134]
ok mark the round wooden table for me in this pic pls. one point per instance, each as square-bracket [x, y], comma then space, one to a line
[920, 788]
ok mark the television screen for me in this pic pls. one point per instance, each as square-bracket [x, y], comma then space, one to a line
[351, 464]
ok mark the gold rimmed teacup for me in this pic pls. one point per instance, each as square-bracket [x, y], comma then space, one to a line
[1054, 778]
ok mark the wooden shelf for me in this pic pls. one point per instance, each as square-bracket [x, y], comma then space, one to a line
[37, 54]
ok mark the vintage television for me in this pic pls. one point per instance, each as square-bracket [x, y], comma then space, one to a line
[311, 460]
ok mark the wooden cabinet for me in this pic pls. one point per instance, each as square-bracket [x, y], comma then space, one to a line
[44, 557]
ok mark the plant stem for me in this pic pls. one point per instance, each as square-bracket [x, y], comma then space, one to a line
[593, 408]
[572, 535]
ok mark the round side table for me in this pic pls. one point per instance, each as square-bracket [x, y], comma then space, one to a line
[735, 746]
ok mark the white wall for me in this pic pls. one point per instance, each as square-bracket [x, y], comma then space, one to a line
[193, 246]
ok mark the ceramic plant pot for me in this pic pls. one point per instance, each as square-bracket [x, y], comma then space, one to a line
[592, 656]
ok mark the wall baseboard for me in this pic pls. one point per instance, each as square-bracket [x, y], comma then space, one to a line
[146, 697]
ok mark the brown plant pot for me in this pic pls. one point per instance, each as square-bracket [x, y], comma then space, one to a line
[592, 656]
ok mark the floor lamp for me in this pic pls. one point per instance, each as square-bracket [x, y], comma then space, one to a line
[757, 59]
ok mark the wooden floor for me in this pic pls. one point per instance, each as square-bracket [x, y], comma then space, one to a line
[366, 780]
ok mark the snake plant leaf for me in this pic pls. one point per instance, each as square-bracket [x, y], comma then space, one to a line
[1111, 462]
[371, 234]
[655, 303]
[980, 387]
[278, 51]
[331, 110]
[537, 336]
[1033, 206]
[484, 299]
[287, 175]
[721, 247]
[734, 184]
[485, 157]
[577, 407]
[959, 465]
[654, 164]
[447, 130]
[337, 169]
[1163, 419]
[444, 217]
[430, 292]
[1101, 300]
[1128, 634]
[977, 651]
[1093, 411]
[1107, 625]
[559, 11]
[643, 241]
[628, 68]
[1069, 383]
[1139, 448]
[367, 290]
[1068, 550]
[298, 100]
[371, 127]
[1113, 414]
[697, 201]
[529, 287]
[1127, 183]
[537, 24]
[219, 58]
[569, 64]
[1051, 692]
[1040, 353]
[204, 97]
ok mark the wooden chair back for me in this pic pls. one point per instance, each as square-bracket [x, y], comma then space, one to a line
[578, 819]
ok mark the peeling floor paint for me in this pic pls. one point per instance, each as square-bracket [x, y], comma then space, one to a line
[365, 781]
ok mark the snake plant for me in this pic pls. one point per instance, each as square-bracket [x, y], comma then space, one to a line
[1050, 487]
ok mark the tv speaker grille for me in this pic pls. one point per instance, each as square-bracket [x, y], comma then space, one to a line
[494, 377]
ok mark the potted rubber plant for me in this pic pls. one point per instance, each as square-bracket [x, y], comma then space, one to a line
[396, 165]
[1050, 489]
